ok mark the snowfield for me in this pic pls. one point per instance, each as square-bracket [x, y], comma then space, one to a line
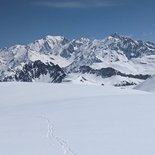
[147, 85]
[72, 119]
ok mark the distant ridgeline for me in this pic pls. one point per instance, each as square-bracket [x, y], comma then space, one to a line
[116, 60]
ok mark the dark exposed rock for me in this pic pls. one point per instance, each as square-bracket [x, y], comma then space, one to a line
[34, 70]
[108, 72]
[124, 83]
[130, 47]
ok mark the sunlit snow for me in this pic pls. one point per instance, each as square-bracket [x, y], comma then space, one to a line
[72, 119]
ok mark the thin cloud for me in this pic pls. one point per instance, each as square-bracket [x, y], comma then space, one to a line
[146, 34]
[77, 4]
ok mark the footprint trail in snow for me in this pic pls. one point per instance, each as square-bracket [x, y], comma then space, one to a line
[51, 135]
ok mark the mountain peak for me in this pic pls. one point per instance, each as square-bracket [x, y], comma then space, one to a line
[56, 39]
[50, 37]
[119, 36]
[115, 35]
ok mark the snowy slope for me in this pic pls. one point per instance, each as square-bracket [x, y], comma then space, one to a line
[59, 119]
[92, 79]
[148, 85]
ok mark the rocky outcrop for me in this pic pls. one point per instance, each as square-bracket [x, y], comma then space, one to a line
[108, 72]
[35, 71]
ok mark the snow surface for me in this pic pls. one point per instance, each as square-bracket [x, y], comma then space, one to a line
[72, 119]
[147, 85]
[91, 79]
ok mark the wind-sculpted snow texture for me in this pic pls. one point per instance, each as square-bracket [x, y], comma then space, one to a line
[131, 61]
[70, 119]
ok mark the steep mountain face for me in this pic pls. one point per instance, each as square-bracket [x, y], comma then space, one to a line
[129, 47]
[118, 52]
[54, 58]
[37, 71]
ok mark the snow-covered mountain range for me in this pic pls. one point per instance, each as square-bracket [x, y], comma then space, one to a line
[116, 60]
